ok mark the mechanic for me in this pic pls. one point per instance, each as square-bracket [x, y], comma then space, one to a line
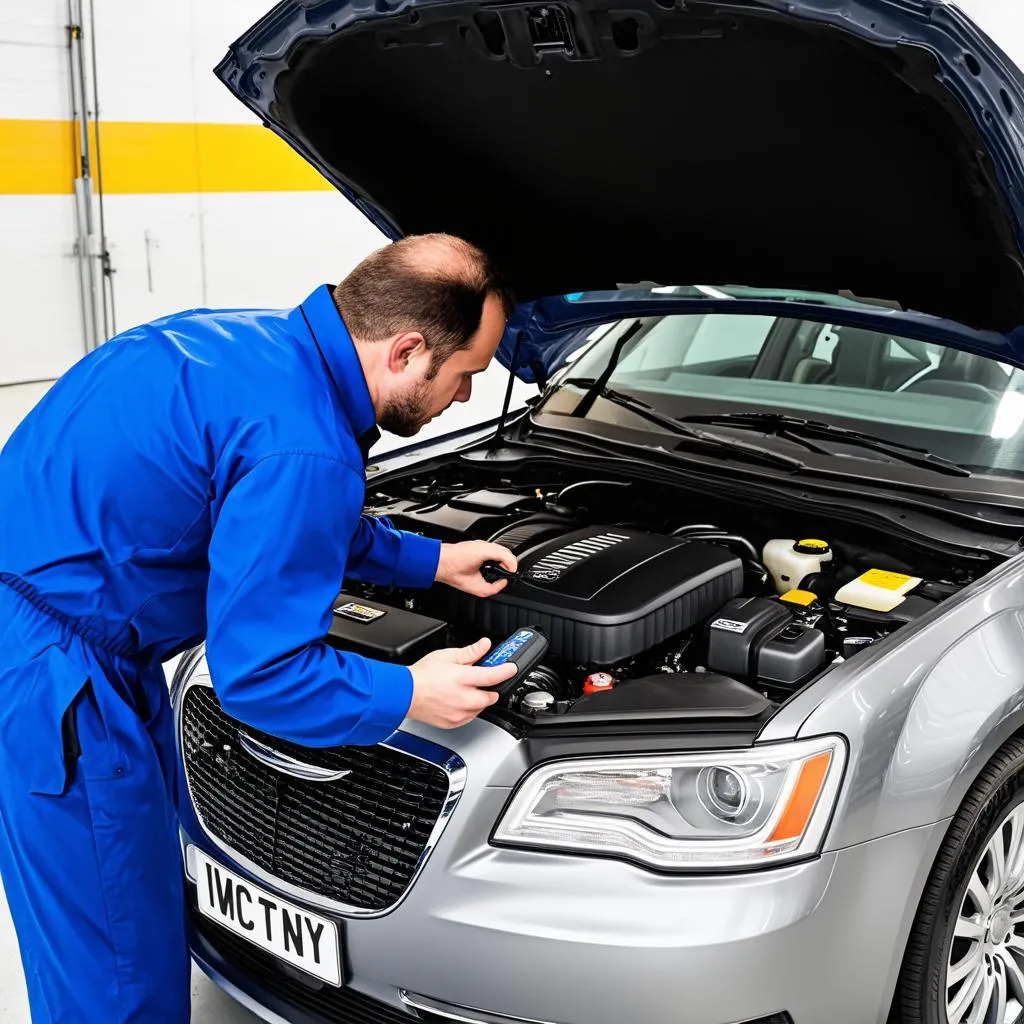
[202, 477]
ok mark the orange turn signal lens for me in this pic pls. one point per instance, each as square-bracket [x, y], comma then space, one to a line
[803, 799]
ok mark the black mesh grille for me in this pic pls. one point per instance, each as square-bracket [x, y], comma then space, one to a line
[357, 841]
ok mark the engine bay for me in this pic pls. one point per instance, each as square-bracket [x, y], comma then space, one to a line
[654, 601]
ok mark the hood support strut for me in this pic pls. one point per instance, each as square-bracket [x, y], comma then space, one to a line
[499, 432]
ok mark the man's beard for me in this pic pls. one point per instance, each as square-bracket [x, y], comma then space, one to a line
[407, 413]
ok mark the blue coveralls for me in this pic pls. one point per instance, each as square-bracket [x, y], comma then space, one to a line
[200, 476]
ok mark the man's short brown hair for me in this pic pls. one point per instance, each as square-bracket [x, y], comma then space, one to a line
[434, 284]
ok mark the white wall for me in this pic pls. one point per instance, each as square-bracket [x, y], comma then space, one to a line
[40, 332]
[1003, 20]
[173, 250]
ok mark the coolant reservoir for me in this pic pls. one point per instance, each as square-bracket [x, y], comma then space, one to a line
[790, 561]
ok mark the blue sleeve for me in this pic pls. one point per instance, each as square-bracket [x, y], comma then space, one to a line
[277, 558]
[381, 554]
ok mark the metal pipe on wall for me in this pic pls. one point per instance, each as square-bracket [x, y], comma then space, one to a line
[109, 310]
[94, 270]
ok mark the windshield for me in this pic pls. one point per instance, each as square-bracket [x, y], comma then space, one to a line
[965, 408]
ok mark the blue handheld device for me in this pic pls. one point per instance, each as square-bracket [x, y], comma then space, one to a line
[524, 648]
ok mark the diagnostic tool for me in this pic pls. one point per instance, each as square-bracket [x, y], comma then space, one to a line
[524, 648]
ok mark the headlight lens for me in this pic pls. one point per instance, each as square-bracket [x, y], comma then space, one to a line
[748, 808]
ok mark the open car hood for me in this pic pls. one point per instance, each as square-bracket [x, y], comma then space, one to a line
[873, 146]
[543, 333]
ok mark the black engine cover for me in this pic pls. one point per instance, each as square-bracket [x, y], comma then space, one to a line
[602, 594]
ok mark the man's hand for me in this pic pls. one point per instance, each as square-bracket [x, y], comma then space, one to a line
[446, 685]
[459, 566]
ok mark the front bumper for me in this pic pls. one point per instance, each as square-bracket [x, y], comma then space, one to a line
[571, 940]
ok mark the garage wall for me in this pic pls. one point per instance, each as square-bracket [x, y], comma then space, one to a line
[37, 276]
[1003, 20]
[202, 206]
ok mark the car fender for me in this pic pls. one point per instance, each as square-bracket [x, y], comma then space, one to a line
[922, 711]
[967, 707]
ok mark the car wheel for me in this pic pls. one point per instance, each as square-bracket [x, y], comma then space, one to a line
[965, 959]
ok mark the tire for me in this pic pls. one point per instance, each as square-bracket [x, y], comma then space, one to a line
[990, 820]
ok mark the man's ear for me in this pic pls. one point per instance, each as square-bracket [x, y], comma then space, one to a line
[405, 349]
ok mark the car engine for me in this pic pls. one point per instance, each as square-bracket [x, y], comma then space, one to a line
[644, 616]
[602, 595]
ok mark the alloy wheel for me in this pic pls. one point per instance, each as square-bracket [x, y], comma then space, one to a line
[985, 969]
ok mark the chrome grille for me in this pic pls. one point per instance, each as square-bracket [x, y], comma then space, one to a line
[357, 842]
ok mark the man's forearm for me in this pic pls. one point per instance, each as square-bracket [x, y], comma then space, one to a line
[382, 554]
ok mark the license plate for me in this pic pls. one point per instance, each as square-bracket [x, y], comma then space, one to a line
[290, 933]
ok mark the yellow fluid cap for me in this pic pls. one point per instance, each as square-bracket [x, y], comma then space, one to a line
[886, 580]
[802, 597]
[812, 546]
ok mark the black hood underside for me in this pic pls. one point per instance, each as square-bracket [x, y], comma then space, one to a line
[587, 146]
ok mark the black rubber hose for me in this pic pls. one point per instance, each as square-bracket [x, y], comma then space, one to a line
[732, 538]
[729, 538]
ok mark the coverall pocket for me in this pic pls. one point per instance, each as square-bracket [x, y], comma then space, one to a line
[37, 737]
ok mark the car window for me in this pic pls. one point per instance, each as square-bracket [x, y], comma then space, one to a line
[961, 406]
[825, 344]
[723, 337]
[899, 353]
[693, 341]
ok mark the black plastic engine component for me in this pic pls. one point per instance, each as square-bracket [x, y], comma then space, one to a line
[759, 639]
[603, 594]
[867, 619]
[822, 584]
[449, 522]
[532, 530]
[853, 645]
[380, 631]
[542, 679]
[487, 501]
[791, 655]
[739, 631]
[704, 695]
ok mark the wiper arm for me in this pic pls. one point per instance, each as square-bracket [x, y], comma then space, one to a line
[597, 386]
[795, 428]
[678, 429]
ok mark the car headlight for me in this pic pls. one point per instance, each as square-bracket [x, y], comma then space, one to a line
[732, 809]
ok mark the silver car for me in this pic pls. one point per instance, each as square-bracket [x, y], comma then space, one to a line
[764, 758]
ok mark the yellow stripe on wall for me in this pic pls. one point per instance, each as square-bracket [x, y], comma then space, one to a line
[36, 157]
[39, 158]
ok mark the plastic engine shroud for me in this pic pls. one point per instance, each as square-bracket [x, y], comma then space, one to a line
[602, 594]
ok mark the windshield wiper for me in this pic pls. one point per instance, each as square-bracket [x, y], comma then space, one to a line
[798, 430]
[678, 429]
[596, 386]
